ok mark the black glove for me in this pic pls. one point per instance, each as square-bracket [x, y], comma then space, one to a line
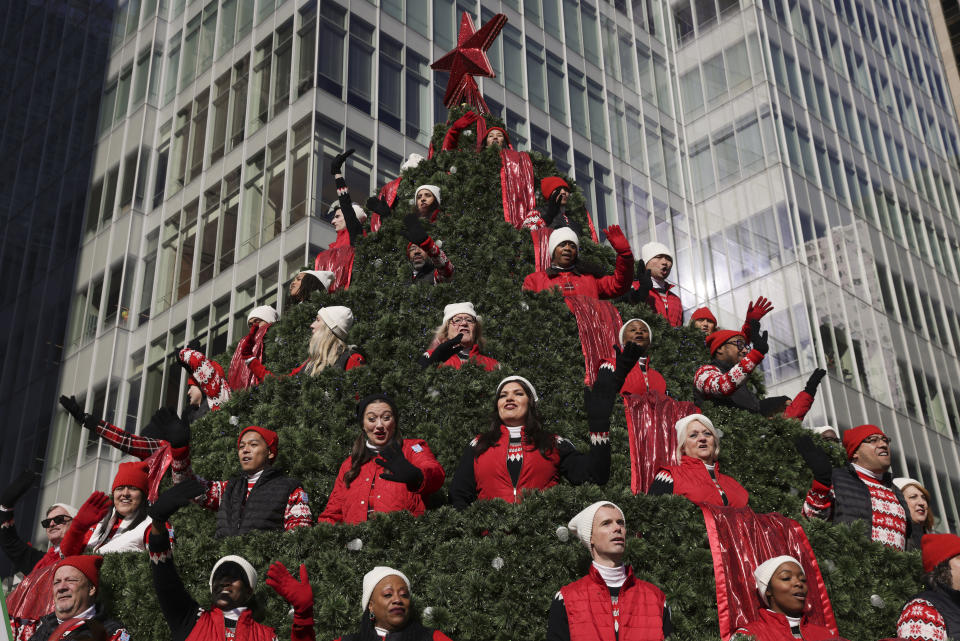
[758, 339]
[598, 402]
[12, 493]
[379, 206]
[173, 499]
[414, 231]
[814, 381]
[71, 405]
[644, 282]
[816, 459]
[553, 207]
[337, 165]
[773, 405]
[166, 425]
[442, 352]
[626, 359]
[399, 469]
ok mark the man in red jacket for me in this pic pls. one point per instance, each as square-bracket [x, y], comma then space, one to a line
[651, 286]
[577, 279]
[610, 602]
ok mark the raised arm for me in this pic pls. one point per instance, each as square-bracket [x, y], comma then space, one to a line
[617, 284]
[463, 487]
[594, 466]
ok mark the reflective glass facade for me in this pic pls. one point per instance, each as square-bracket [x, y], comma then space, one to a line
[800, 149]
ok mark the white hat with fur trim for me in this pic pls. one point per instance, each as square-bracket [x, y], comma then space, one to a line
[654, 249]
[433, 189]
[823, 429]
[69, 509]
[453, 309]
[338, 318]
[684, 423]
[264, 313]
[637, 320]
[533, 390]
[326, 278]
[765, 570]
[375, 576]
[412, 161]
[357, 209]
[561, 235]
[582, 523]
[248, 570]
[903, 481]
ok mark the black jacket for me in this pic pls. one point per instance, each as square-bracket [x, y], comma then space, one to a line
[263, 509]
[48, 623]
[21, 555]
[947, 603]
[852, 497]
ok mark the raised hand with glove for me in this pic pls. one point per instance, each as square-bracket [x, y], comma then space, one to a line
[617, 240]
[166, 425]
[816, 459]
[379, 206]
[758, 339]
[299, 594]
[814, 381]
[336, 167]
[758, 309]
[73, 408]
[442, 352]
[626, 359]
[178, 496]
[413, 229]
[398, 468]
[90, 513]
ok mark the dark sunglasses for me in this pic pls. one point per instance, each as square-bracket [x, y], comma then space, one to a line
[59, 519]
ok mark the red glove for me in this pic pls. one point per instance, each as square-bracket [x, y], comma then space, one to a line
[465, 121]
[759, 309]
[94, 509]
[246, 344]
[617, 240]
[299, 594]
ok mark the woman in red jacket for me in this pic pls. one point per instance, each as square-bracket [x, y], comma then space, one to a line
[517, 454]
[783, 589]
[573, 277]
[384, 472]
[697, 476]
[458, 340]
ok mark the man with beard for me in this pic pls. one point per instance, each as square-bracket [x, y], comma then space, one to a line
[863, 489]
[430, 265]
[232, 581]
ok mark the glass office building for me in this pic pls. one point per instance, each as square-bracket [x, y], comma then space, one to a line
[800, 149]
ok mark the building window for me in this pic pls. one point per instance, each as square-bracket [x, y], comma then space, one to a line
[307, 49]
[535, 75]
[360, 70]
[556, 88]
[418, 120]
[390, 94]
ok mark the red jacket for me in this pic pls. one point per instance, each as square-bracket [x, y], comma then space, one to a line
[493, 480]
[210, 627]
[370, 493]
[256, 367]
[585, 284]
[343, 239]
[772, 626]
[590, 610]
[639, 380]
[667, 304]
[487, 363]
[799, 406]
[692, 480]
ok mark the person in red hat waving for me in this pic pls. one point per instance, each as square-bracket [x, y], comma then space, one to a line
[76, 584]
[862, 489]
[259, 498]
[934, 614]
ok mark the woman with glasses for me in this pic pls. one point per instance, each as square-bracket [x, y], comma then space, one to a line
[458, 340]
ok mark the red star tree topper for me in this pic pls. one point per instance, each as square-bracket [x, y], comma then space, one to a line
[468, 59]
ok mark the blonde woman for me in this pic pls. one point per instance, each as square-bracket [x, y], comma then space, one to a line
[328, 346]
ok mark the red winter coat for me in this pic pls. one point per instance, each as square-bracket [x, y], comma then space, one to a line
[487, 363]
[370, 493]
[210, 627]
[772, 626]
[343, 239]
[665, 303]
[571, 283]
[538, 472]
[356, 359]
[799, 406]
[692, 480]
[639, 380]
[590, 611]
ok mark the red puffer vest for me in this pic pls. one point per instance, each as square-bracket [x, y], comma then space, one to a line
[368, 492]
[493, 479]
[772, 626]
[210, 627]
[590, 611]
[692, 480]
[487, 363]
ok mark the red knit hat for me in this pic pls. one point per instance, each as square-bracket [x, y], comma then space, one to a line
[703, 312]
[550, 184]
[269, 436]
[88, 564]
[133, 474]
[852, 438]
[506, 136]
[937, 548]
[716, 340]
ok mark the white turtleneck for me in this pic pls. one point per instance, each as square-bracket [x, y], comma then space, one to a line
[659, 283]
[867, 472]
[253, 478]
[381, 632]
[515, 432]
[234, 614]
[613, 577]
[371, 446]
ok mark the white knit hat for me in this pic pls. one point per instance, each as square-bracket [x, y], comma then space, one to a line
[453, 309]
[582, 523]
[653, 249]
[357, 209]
[338, 318]
[823, 429]
[533, 390]
[765, 571]
[639, 320]
[264, 313]
[375, 576]
[561, 235]
[433, 189]
[244, 565]
[903, 481]
[72, 511]
[412, 161]
[684, 423]
[326, 278]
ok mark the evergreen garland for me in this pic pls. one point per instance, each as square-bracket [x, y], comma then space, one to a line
[491, 571]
